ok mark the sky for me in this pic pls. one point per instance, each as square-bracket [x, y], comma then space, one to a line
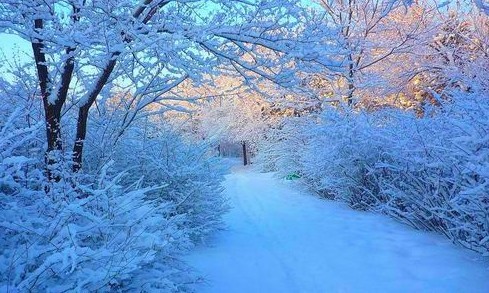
[10, 44]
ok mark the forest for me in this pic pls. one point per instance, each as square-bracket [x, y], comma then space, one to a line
[118, 119]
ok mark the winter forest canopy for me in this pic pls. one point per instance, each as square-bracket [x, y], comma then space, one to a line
[115, 116]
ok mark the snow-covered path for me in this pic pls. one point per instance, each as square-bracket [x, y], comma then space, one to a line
[280, 240]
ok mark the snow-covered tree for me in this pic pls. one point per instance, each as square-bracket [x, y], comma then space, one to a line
[145, 197]
[82, 47]
[375, 42]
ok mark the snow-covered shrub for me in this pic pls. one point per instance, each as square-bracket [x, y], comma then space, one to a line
[430, 172]
[269, 150]
[329, 151]
[151, 149]
[339, 155]
[86, 233]
[281, 149]
[119, 226]
[437, 176]
[99, 237]
[192, 178]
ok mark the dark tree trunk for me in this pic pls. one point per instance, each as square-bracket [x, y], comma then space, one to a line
[52, 105]
[55, 145]
[245, 155]
[82, 121]
[53, 130]
[81, 133]
[351, 86]
[52, 109]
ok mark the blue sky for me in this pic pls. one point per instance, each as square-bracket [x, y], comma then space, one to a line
[11, 44]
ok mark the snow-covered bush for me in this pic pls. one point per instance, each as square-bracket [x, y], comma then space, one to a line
[84, 234]
[120, 225]
[18, 169]
[430, 172]
[280, 149]
[99, 237]
[192, 178]
[338, 157]
[151, 149]
[437, 176]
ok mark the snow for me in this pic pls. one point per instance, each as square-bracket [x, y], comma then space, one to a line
[281, 239]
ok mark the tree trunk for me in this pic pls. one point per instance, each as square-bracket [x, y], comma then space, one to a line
[81, 123]
[245, 155]
[81, 133]
[53, 135]
[351, 86]
[52, 109]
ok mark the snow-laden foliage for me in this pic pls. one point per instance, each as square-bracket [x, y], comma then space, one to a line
[278, 151]
[113, 237]
[150, 149]
[82, 49]
[431, 173]
[121, 226]
[192, 180]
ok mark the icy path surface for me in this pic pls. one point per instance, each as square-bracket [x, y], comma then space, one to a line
[281, 240]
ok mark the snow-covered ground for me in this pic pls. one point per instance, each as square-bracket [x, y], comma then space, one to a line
[283, 240]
